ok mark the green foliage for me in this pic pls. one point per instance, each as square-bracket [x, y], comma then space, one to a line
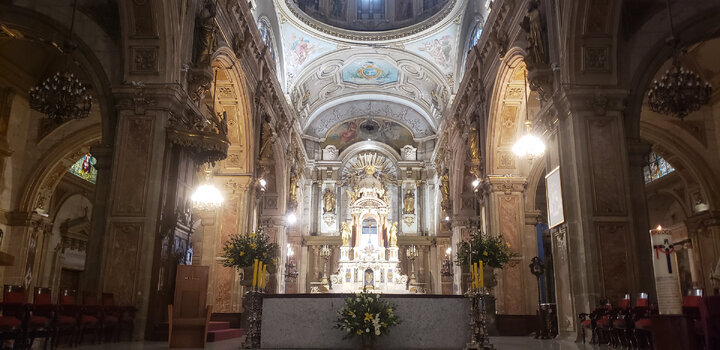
[366, 314]
[492, 251]
[240, 250]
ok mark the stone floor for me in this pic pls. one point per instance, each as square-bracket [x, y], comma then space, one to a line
[500, 343]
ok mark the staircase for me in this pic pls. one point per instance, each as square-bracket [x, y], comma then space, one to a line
[220, 330]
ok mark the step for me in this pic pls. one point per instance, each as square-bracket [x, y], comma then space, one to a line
[218, 325]
[225, 334]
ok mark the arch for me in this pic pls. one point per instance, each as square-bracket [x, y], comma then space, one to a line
[365, 146]
[505, 120]
[233, 98]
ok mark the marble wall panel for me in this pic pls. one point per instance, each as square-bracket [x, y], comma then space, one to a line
[133, 160]
[224, 279]
[508, 123]
[606, 166]
[122, 261]
[614, 246]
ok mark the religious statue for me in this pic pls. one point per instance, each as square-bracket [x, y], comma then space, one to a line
[328, 201]
[352, 195]
[393, 234]
[206, 41]
[345, 234]
[445, 189]
[292, 191]
[533, 27]
[409, 202]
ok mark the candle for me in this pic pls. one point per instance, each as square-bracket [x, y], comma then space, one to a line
[475, 275]
[264, 274]
[482, 275]
[472, 276]
[255, 272]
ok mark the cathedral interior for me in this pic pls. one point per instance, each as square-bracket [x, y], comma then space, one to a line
[367, 139]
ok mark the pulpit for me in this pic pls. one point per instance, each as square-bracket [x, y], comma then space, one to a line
[188, 316]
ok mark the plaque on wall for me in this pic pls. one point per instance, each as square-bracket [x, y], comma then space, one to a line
[553, 188]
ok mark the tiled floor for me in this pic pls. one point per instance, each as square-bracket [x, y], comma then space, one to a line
[500, 343]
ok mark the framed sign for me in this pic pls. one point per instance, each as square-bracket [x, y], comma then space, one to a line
[553, 188]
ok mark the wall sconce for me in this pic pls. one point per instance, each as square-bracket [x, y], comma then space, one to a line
[447, 268]
[291, 272]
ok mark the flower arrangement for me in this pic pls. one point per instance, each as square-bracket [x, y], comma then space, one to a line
[366, 315]
[492, 251]
[241, 250]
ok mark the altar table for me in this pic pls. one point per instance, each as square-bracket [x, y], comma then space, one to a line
[305, 321]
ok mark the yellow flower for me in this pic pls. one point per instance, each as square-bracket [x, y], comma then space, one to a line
[485, 253]
[242, 253]
[508, 244]
[253, 245]
[264, 254]
[359, 332]
[368, 317]
[390, 311]
[252, 235]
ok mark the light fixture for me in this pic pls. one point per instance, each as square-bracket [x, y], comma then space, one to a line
[448, 251]
[447, 218]
[63, 96]
[291, 218]
[207, 196]
[475, 183]
[679, 91]
[529, 146]
[262, 183]
[290, 266]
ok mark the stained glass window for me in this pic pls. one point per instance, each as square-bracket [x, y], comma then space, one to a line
[475, 35]
[656, 167]
[371, 9]
[267, 35]
[84, 168]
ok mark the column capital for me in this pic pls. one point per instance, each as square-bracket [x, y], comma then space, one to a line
[507, 184]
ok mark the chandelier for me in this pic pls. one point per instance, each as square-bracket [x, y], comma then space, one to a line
[63, 96]
[529, 146]
[679, 92]
[207, 196]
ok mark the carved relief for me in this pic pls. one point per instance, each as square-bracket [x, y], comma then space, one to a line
[596, 59]
[145, 60]
[605, 166]
[143, 19]
[506, 160]
[508, 120]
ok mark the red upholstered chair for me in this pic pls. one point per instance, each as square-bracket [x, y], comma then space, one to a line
[124, 315]
[622, 323]
[41, 322]
[84, 320]
[91, 316]
[13, 316]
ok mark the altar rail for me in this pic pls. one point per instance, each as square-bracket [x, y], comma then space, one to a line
[305, 321]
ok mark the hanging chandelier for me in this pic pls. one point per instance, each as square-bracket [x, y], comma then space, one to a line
[679, 91]
[207, 196]
[63, 96]
[529, 146]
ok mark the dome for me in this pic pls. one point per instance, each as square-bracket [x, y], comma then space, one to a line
[369, 15]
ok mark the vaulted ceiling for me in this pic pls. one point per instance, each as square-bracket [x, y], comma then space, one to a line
[405, 74]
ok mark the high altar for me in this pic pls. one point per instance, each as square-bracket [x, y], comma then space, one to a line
[369, 253]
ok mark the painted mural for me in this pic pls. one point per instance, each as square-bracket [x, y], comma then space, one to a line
[439, 48]
[363, 129]
[370, 72]
[301, 48]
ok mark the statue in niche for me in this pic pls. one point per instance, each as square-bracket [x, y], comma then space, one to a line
[445, 189]
[533, 27]
[409, 202]
[292, 191]
[328, 201]
[345, 234]
[369, 279]
[206, 41]
[393, 234]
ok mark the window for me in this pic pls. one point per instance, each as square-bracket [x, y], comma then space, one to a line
[84, 168]
[371, 9]
[267, 35]
[369, 227]
[475, 35]
[656, 167]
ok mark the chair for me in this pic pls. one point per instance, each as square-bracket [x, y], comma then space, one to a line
[84, 318]
[124, 316]
[91, 317]
[188, 316]
[42, 317]
[13, 315]
[622, 323]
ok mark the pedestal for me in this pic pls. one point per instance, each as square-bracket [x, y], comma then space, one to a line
[393, 254]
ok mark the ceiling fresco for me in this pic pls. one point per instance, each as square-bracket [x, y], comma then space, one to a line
[370, 72]
[369, 129]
